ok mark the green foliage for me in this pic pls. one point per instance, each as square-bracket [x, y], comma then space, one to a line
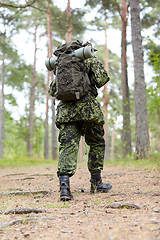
[22, 136]
[153, 100]
[59, 23]
[11, 19]
[151, 15]
[107, 10]
[16, 71]
[14, 146]
[16, 135]
[104, 5]
[39, 133]
[154, 56]
[17, 74]
[22, 161]
[11, 99]
[152, 161]
[78, 25]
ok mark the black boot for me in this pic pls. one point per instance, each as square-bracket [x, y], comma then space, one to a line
[65, 194]
[97, 185]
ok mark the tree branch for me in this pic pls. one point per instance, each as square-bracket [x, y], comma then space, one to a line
[17, 6]
[118, 8]
[24, 211]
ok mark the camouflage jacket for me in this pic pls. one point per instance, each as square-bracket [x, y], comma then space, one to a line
[87, 108]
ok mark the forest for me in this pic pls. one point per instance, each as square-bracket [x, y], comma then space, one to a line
[126, 35]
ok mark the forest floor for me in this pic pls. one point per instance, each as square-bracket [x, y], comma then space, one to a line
[30, 207]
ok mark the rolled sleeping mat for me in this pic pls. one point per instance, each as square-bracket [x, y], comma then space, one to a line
[82, 53]
[50, 63]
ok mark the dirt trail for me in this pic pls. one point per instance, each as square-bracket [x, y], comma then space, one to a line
[131, 210]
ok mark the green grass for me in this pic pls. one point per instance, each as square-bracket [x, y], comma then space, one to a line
[24, 162]
[58, 205]
[152, 161]
[96, 203]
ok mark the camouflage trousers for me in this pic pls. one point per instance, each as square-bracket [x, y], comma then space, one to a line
[69, 138]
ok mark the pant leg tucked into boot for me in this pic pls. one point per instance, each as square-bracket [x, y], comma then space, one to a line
[97, 185]
[65, 193]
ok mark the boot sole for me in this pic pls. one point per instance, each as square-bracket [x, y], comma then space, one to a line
[65, 198]
[103, 190]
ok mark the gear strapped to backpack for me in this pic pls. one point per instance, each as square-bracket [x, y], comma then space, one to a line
[72, 81]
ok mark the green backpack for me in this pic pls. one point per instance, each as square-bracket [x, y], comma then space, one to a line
[72, 81]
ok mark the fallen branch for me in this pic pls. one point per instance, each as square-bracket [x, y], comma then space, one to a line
[117, 194]
[11, 223]
[24, 211]
[27, 193]
[13, 174]
[123, 205]
[43, 174]
[155, 194]
[21, 179]
[148, 194]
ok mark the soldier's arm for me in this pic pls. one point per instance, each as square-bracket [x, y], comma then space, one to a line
[97, 72]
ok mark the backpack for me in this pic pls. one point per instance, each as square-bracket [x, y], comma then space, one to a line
[72, 81]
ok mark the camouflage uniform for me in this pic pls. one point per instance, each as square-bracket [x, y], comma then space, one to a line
[82, 117]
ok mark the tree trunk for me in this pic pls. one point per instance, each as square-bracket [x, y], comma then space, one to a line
[105, 100]
[2, 108]
[142, 134]
[54, 135]
[32, 99]
[50, 75]
[69, 23]
[112, 144]
[126, 134]
[46, 145]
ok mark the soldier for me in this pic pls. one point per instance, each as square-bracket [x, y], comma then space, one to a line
[78, 118]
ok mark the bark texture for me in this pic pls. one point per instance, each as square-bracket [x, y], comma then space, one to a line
[142, 134]
[69, 23]
[32, 99]
[126, 135]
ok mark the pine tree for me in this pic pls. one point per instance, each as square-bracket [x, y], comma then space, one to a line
[142, 135]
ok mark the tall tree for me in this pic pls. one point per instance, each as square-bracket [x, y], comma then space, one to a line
[69, 23]
[126, 133]
[50, 76]
[49, 32]
[32, 97]
[106, 98]
[142, 135]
